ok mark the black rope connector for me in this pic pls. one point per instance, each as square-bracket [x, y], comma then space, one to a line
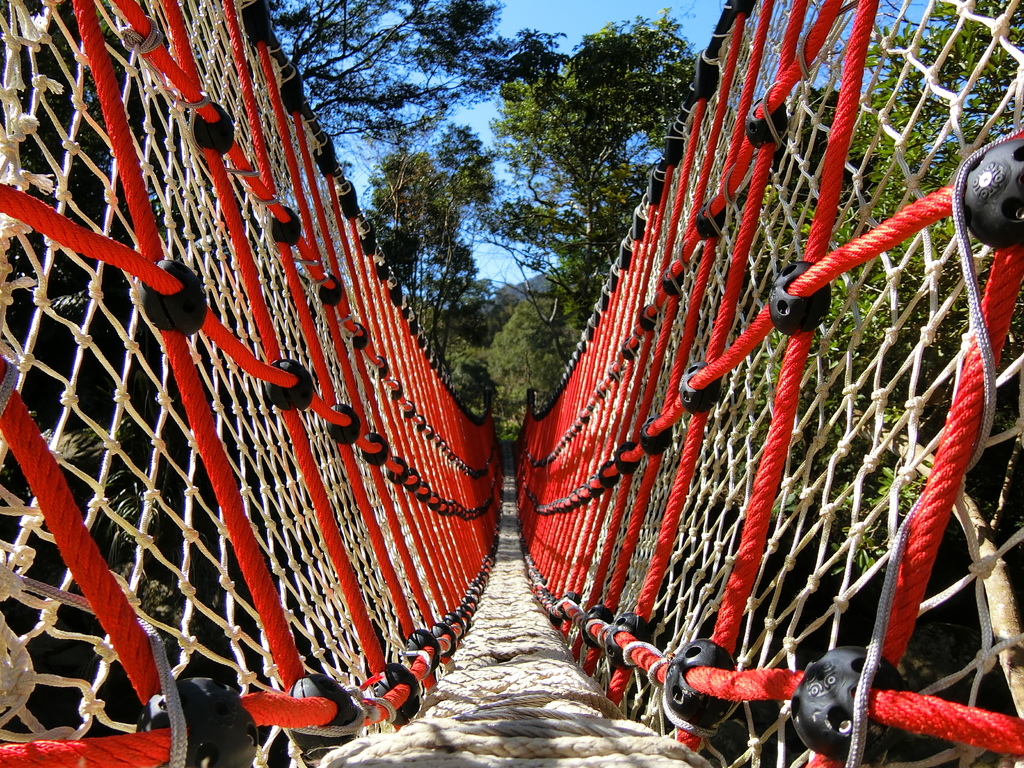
[330, 291]
[656, 181]
[612, 284]
[653, 445]
[680, 701]
[709, 226]
[633, 623]
[395, 293]
[377, 457]
[401, 476]
[348, 199]
[345, 435]
[768, 129]
[705, 77]
[994, 198]
[629, 348]
[675, 141]
[360, 338]
[395, 675]
[698, 400]
[367, 235]
[314, 747]
[599, 611]
[422, 640]
[456, 622]
[183, 311]
[299, 395]
[575, 597]
[639, 222]
[609, 473]
[258, 25]
[293, 92]
[624, 466]
[823, 703]
[219, 727]
[648, 318]
[394, 388]
[669, 285]
[792, 314]
[625, 252]
[326, 156]
[218, 136]
[286, 232]
[382, 367]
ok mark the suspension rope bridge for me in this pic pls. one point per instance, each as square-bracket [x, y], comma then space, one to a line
[247, 518]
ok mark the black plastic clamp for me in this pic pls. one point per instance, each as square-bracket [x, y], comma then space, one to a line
[768, 129]
[330, 291]
[378, 457]
[395, 675]
[348, 199]
[633, 623]
[219, 728]
[607, 477]
[698, 400]
[625, 466]
[823, 703]
[218, 136]
[286, 232]
[183, 311]
[299, 395]
[653, 445]
[792, 314]
[421, 640]
[349, 717]
[600, 612]
[648, 318]
[994, 198]
[709, 226]
[348, 434]
[360, 338]
[680, 701]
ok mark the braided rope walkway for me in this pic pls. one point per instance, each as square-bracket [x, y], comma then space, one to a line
[514, 693]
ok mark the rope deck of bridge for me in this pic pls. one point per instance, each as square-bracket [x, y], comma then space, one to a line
[514, 692]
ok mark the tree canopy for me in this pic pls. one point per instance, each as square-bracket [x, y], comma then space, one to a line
[428, 198]
[578, 142]
[373, 67]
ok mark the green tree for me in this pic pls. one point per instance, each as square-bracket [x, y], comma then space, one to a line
[375, 66]
[428, 200]
[522, 356]
[579, 142]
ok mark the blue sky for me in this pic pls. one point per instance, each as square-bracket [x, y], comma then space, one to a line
[576, 18]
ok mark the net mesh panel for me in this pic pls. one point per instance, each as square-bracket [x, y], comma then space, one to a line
[94, 377]
[941, 80]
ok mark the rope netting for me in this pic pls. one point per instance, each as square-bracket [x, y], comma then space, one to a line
[229, 453]
[780, 394]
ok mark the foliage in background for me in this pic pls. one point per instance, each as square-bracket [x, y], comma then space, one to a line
[372, 67]
[579, 143]
[429, 195]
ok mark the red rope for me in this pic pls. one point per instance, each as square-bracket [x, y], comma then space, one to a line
[79, 550]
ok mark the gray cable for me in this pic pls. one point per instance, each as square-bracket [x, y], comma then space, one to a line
[168, 686]
[988, 365]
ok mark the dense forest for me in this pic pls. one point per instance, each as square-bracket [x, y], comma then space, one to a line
[576, 135]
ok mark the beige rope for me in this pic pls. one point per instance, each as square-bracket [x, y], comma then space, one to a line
[514, 693]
